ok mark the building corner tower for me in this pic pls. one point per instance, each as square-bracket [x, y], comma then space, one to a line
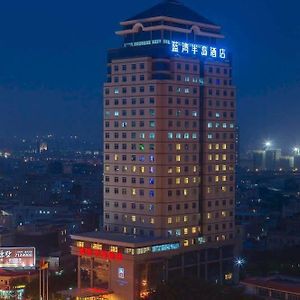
[169, 157]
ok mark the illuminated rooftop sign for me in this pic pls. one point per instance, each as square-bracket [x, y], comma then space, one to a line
[17, 258]
[165, 247]
[200, 50]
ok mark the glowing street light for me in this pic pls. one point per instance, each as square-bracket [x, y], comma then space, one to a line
[239, 262]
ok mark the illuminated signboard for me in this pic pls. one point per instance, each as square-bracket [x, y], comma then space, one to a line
[101, 254]
[165, 247]
[17, 258]
[200, 50]
[121, 273]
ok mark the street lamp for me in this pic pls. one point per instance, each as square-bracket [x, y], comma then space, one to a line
[239, 262]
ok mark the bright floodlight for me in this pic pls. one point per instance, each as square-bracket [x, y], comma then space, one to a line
[296, 149]
[268, 143]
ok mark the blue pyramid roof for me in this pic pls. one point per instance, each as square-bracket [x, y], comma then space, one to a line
[174, 9]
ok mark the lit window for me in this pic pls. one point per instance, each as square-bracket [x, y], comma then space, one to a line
[217, 146]
[209, 146]
[185, 243]
[169, 220]
[152, 135]
[185, 192]
[224, 146]
[178, 157]
[96, 246]
[209, 125]
[208, 215]
[224, 167]
[223, 213]
[217, 178]
[217, 157]
[186, 180]
[224, 156]
[224, 178]
[185, 230]
[178, 146]
[170, 170]
[223, 188]
[178, 180]
[178, 169]
[116, 90]
[133, 218]
[133, 191]
[217, 168]
[185, 218]
[210, 156]
[170, 135]
[80, 244]
[113, 249]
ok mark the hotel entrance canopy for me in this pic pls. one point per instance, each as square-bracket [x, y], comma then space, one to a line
[86, 294]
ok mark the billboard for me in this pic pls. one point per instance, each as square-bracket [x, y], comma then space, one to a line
[17, 257]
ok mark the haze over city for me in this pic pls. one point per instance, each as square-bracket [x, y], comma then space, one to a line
[53, 61]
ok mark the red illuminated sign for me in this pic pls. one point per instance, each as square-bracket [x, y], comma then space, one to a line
[22, 257]
[100, 253]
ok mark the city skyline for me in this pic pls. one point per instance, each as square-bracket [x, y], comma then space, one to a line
[44, 78]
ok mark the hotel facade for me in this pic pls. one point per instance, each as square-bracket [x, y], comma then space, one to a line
[169, 157]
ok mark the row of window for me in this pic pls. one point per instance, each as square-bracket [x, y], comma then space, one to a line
[150, 193]
[220, 115]
[142, 169]
[220, 125]
[218, 227]
[133, 89]
[217, 215]
[150, 124]
[132, 67]
[217, 92]
[216, 203]
[217, 103]
[218, 81]
[217, 136]
[150, 135]
[218, 70]
[150, 207]
[141, 180]
[219, 238]
[217, 189]
[133, 78]
[133, 112]
[133, 101]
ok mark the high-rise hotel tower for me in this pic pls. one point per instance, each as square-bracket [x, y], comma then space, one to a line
[169, 156]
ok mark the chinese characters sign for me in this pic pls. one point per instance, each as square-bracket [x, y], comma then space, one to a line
[22, 258]
[100, 253]
[200, 50]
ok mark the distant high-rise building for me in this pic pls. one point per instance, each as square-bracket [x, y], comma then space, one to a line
[169, 157]
[258, 159]
[272, 158]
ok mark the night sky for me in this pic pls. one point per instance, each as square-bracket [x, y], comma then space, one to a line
[53, 55]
